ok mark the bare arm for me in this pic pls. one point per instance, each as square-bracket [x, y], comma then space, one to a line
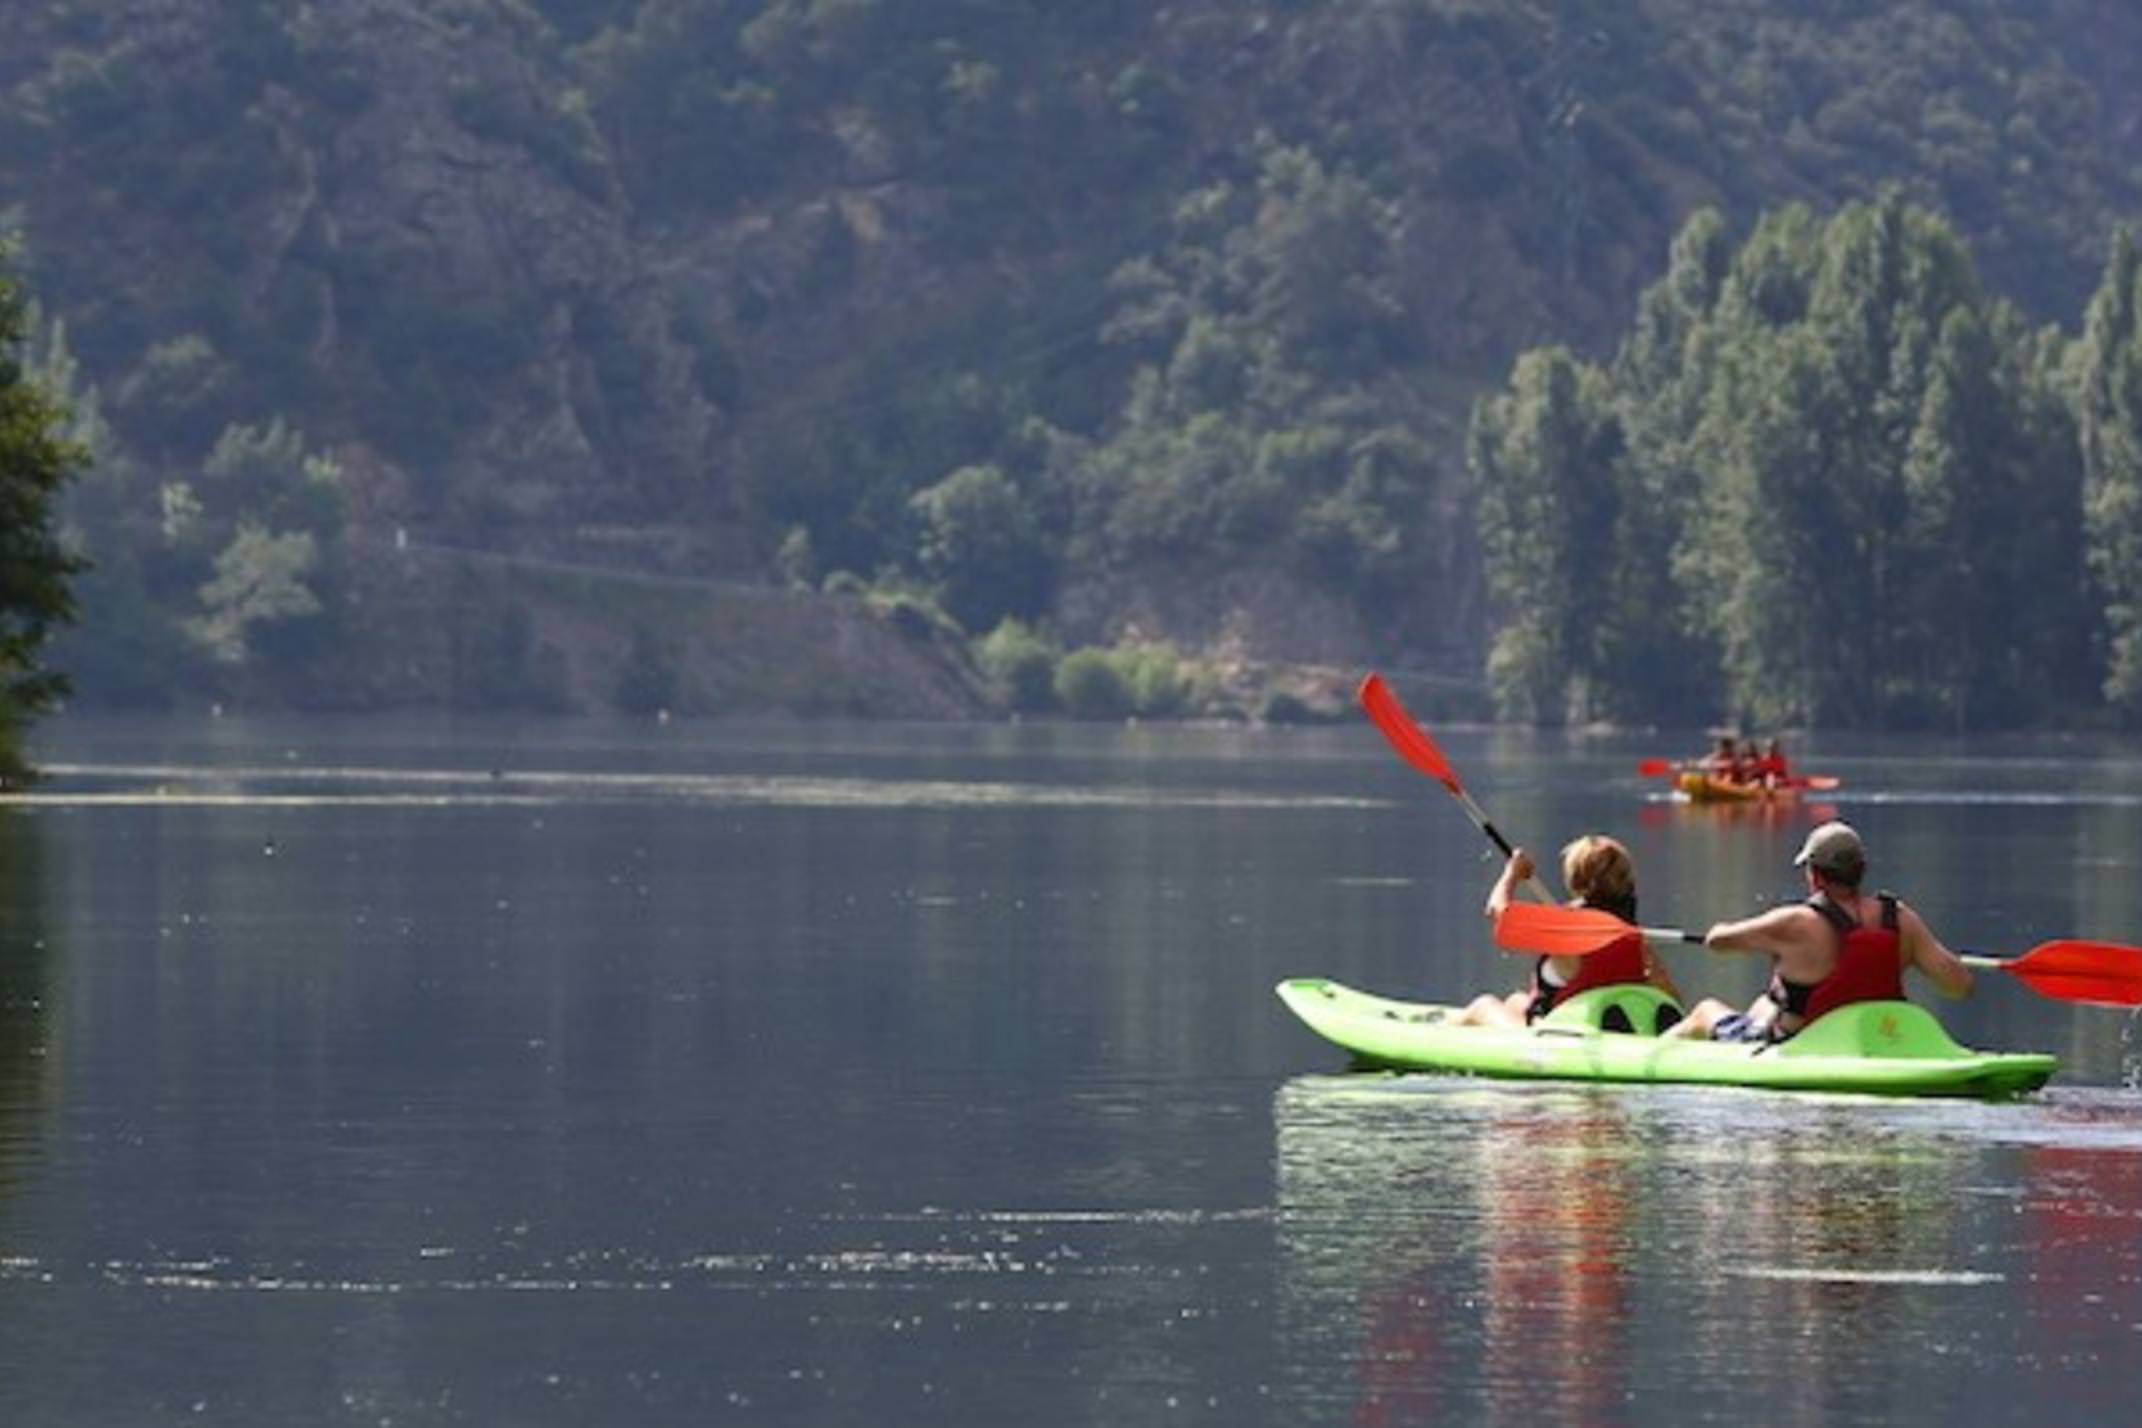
[1656, 974]
[1514, 872]
[1925, 951]
[1770, 932]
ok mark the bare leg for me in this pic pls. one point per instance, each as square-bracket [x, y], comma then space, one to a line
[1485, 1010]
[1696, 1026]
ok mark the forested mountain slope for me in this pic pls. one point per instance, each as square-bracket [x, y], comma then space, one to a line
[1106, 316]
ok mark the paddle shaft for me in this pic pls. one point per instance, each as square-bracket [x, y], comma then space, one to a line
[1988, 961]
[1672, 935]
[2071, 969]
[1487, 826]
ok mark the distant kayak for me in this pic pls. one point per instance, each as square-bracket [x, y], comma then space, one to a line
[1709, 788]
[1879, 1048]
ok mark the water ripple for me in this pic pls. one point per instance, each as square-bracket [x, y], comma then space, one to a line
[182, 785]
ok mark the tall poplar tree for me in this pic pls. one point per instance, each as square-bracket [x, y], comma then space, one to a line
[36, 459]
[2109, 418]
[1658, 661]
[1542, 458]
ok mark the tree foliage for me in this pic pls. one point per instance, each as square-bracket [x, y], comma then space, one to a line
[1843, 483]
[36, 568]
[1210, 286]
[2109, 412]
[981, 542]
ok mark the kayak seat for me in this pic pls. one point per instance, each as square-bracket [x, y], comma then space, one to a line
[1894, 1030]
[1632, 1008]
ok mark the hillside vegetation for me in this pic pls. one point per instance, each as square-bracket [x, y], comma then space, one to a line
[1144, 328]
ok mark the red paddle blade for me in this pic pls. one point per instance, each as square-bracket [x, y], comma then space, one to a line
[1406, 736]
[1557, 931]
[1817, 781]
[2103, 974]
[1655, 768]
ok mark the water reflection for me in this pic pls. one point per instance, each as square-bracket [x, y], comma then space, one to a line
[1459, 1252]
[1555, 1200]
[1657, 812]
[25, 959]
[2082, 1226]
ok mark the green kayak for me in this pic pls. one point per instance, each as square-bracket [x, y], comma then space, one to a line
[1609, 1034]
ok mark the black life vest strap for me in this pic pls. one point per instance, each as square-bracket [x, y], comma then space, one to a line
[1794, 996]
[1844, 922]
[1622, 907]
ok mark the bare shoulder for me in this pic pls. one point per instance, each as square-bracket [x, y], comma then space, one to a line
[1788, 918]
[1787, 922]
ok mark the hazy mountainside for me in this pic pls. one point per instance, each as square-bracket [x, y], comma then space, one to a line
[1110, 317]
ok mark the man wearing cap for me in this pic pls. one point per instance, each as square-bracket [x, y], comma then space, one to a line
[1838, 947]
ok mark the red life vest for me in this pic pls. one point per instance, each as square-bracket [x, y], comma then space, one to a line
[1619, 962]
[1869, 967]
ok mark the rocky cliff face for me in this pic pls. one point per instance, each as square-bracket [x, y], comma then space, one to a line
[410, 231]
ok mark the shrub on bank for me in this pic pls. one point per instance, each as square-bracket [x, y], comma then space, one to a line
[1019, 665]
[1090, 686]
[1149, 681]
[1159, 680]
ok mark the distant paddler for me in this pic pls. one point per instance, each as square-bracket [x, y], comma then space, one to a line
[1725, 761]
[1770, 768]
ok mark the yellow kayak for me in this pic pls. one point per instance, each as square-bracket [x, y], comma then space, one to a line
[1701, 787]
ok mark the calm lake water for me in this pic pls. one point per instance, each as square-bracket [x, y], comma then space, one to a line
[415, 1073]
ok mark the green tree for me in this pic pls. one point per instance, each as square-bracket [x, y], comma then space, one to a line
[2055, 631]
[1952, 589]
[1542, 460]
[982, 545]
[1261, 415]
[1767, 555]
[1020, 665]
[179, 396]
[1992, 590]
[265, 473]
[36, 569]
[2109, 419]
[1090, 684]
[259, 578]
[1658, 661]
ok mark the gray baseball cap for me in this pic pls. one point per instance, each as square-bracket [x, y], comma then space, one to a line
[1834, 848]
